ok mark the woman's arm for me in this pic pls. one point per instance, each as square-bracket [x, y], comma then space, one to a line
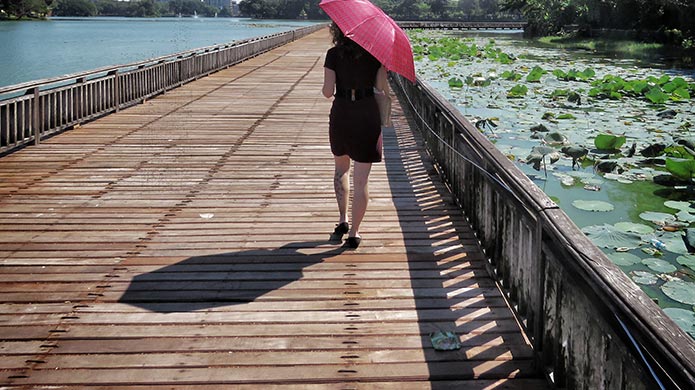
[382, 82]
[328, 82]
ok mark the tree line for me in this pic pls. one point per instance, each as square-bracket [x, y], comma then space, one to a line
[397, 9]
[18, 9]
[672, 20]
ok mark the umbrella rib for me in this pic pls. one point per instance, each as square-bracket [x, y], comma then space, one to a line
[363, 22]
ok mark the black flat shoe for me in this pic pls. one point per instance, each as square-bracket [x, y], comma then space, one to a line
[341, 229]
[354, 242]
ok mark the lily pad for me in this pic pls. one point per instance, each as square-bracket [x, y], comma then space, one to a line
[630, 227]
[624, 259]
[673, 241]
[607, 236]
[657, 218]
[689, 240]
[684, 206]
[593, 205]
[687, 260]
[681, 168]
[683, 318]
[659, 265]
[680, 291]
[644, 277]
[685, 216]
[555, 138]
[609, 141]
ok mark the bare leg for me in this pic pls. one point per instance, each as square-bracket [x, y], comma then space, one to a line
[341, 185]
[360, 197]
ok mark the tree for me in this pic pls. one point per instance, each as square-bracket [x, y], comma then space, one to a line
[439, 8]
[75, 8]
[18, 9]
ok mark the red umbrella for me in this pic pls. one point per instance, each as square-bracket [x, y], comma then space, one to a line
[376, 32]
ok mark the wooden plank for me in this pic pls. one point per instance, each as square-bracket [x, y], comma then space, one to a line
[184, 242]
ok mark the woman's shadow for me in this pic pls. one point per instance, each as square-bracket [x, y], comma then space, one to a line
[210, 281]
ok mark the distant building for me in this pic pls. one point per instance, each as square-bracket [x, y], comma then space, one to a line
[231, 5]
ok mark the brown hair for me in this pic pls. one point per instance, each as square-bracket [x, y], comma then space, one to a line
[351, 49]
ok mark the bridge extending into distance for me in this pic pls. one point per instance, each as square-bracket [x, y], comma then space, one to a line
[166, 226]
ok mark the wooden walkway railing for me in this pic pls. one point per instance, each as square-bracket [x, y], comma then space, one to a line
[34, 110]
[590, 325]
[183, 243]
[464, 25]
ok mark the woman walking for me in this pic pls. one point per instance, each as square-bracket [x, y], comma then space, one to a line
[350, 76]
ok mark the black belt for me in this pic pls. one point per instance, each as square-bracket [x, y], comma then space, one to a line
[354, 94]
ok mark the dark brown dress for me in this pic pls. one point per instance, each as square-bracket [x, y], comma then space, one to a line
[354, 126]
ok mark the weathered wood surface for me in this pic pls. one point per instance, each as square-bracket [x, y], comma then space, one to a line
[184, 243]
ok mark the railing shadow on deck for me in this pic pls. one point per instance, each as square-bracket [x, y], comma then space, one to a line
[590, 326]
[210, 281]
[451, 288]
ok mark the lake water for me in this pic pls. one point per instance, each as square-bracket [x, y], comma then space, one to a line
[33, 50]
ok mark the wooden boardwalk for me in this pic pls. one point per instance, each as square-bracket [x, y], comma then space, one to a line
[184, 243]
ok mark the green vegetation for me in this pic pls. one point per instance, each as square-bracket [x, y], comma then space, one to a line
[38, 9]
[398, 9]
[142, 8]
[22, 9]
[673, 19]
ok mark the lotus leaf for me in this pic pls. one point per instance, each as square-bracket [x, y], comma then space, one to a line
[555, 138]
[685, 206]
[566, 180]
[653, 150]
[675, 84]
[686, 260]
[680, 151]
[667, 114]
[511, 76]
[659, 265]
[593, 205]
[574, 97]
[689, 143]
[607, 236]
[609, 141]
[606, 166]
[689, 240]
[624, 259]
[672, 241]
[680, 291]
[657, 218]
[683, 318]
[644, 277]
[630, 227]
[455, 82]
[540, 128]
[681, 168]
[680, 94]
[535, 75]
[566, 116]
[657, 96]
[518, 91]
[685, 216]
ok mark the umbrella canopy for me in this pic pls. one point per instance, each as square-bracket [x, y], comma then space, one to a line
[376, 32]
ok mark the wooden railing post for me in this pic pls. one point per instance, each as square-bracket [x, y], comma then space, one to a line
[36, 117]
[116, 98]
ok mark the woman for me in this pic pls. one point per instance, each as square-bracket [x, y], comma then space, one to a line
[350, 75]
